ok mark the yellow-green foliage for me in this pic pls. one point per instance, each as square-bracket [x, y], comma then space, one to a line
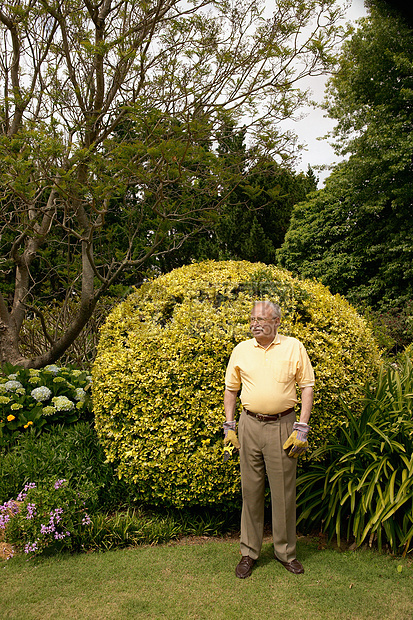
[158, 377]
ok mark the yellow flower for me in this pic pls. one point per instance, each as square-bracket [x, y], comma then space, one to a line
[28, 424]
[10, 418]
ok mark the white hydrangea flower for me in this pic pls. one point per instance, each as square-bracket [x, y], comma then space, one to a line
[49, 410]
[41, 393]
[52, 368]
[34, 372]
[11, 386]
[13, 377]
[62, 403]
[80, 395]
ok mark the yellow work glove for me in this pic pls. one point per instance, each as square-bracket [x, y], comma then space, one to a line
[297, 442]
[233, 439]
[230, 434]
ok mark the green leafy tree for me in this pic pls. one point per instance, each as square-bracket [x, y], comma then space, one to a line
[71, 73]
[255, 215]
[356, 234]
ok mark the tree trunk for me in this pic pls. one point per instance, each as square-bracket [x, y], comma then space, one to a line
[9, 349]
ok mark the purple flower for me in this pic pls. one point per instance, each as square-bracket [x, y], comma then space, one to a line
[86, 520]
[14, 508]
[31, 511]
[23, 494]
[4, 519]
[59, 483]
[30, 547]
[56, 515]
[48, 529]
[56, 512]
[7, 510]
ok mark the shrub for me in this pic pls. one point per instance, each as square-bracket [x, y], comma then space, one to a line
[49, 516]
[158, 377]
[366, 492]
[39, 399]
[72, 452]
[393, 327]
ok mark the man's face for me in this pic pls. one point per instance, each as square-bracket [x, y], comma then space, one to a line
[263, 323]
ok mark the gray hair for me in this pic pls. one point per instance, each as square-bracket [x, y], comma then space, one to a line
[271, 306]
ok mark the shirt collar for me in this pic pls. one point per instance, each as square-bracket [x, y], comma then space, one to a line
[276, 340]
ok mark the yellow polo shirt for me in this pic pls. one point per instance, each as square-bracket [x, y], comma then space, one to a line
[269, 376]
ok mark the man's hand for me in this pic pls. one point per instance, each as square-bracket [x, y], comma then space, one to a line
[233, 439]
[297, 442]
[230, 434]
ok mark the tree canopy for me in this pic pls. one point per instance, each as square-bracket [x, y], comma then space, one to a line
[356, 234]
[76, 77]
[255, 215]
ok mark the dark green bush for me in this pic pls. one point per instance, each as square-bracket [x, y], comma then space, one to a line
[393, 327]
[366, 490]
[73, 453]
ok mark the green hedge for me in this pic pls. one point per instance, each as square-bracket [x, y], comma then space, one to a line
[158, 377]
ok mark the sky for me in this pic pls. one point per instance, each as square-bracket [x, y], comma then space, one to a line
[315, 124]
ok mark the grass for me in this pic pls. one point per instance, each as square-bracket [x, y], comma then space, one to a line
[196, 581]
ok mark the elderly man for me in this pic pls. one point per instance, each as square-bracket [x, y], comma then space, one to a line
[268, 367]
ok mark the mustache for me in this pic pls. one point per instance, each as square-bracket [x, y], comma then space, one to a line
[265, 329]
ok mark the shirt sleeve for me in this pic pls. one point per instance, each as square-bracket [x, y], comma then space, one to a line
[305, 373]
[233, 375]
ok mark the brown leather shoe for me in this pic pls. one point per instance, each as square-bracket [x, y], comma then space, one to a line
[294, 566]
[244, 568]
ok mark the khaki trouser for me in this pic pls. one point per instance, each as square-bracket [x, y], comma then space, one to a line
[261, 451]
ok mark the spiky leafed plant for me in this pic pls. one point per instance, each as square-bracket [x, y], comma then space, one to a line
[366, 492]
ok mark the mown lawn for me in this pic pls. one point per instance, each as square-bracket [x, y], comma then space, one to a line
[196, 580]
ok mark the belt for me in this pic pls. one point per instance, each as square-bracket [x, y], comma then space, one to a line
[268, 418]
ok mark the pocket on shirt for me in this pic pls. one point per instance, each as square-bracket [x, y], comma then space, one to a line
[284, 371]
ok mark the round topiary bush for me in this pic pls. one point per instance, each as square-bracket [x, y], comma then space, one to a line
[158, 377]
